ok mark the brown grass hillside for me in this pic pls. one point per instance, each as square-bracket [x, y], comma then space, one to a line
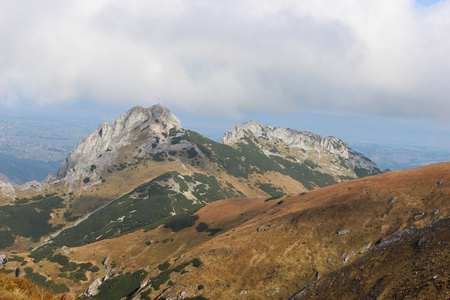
[301, 238]
[21, 289]
[301, 241]
[411, 265]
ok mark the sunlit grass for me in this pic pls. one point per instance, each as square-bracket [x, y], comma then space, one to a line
[19, 288]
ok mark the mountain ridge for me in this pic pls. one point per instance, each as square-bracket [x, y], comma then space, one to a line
[276, 138]
[155, 131]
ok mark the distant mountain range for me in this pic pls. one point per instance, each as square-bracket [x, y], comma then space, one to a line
[144, 209]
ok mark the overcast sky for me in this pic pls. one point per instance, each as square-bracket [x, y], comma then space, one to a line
[381, 59]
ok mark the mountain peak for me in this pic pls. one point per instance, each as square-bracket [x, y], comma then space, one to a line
[146, 116]
[102, 146]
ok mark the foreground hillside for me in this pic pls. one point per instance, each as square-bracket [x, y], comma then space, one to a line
[350, 239]
[301, 238]
[21, 289]
[411, 264]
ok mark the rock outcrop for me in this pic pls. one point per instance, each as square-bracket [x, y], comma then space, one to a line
[93, 290]
[3, 259]
[102, 148]
[7, 189]
[329, 153]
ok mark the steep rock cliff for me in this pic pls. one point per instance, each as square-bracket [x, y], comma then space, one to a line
[330, 153]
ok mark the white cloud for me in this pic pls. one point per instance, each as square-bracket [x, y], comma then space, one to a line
[371, 57]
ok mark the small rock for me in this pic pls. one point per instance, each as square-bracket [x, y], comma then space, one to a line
[419, 215]
[345, 257]
[437, 212]
[66, 250]
[261, 228]
[365, 248]
[422, 241]
[3, 259]
[391, 202]
[345, 231]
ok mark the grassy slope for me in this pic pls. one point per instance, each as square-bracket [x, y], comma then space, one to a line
[415, 266]
[21, 289]
[279, 261]
[304, 242]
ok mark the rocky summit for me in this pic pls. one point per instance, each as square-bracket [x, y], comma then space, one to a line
[330, 154]
[102, 147]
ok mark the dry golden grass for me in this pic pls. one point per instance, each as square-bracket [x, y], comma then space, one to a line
[21, 289]
[277, 262]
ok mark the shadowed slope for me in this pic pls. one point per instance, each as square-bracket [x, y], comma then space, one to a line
[411, 264]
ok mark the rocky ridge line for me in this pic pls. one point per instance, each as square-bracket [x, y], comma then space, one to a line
[306, 142]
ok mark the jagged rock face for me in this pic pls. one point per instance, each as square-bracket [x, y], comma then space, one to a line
[329, 153]
[7, 189]
[93, 290]
[102, 147]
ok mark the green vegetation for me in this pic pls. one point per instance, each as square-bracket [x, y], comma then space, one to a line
[68, 217]
[176, 140]
[247, 158]
[362, 172]
[16, 258]
[41, 254]
[272, 198]
[160, 156]
[60, 259]
[95, 269]
[148, 206]
[202, 227]
[36, 212]
[164, 276]
[42, 281]
[196, 262]
[164, 266]
[274, 191]
[179, 222]
[77, 271]
[121, 286]
[86, 180]
[6, 238]
[192, 153]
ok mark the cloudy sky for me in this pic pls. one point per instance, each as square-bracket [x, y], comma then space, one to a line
[358, 59]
